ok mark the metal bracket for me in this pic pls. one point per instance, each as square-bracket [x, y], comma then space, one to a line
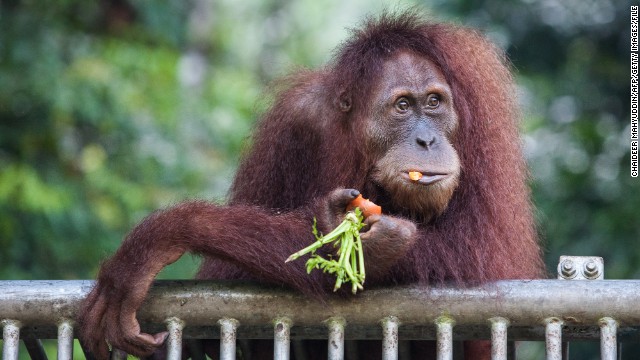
[580, 268]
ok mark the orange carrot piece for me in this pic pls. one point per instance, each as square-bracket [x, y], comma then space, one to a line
[367, 207]
[415, 175]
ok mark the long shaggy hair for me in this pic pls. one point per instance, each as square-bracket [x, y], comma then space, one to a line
[311, 142]
[307, 145]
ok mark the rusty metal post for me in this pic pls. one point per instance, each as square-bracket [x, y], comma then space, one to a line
[608, 338]
[282, 338]
[65, 340]
[553, 338]
[228, 329]
[444, 338]
[390, 338]
[336, 338]
[11, 339]
[174, 341]
[499, 327]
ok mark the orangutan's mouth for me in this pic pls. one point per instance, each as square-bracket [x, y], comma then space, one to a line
[426, 178]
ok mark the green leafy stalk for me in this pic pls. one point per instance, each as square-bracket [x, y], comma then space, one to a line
[349, 268]
[321, 240]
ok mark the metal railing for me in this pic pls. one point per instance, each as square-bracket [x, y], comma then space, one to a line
[555, 311]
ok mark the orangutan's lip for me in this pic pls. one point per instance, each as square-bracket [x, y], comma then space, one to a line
[428, 177]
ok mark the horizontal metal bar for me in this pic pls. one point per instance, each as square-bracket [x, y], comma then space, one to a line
[202, 303]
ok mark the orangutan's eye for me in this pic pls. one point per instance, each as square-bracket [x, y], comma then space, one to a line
[402, 105]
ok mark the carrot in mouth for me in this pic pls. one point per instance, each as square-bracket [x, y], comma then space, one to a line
[415, 175]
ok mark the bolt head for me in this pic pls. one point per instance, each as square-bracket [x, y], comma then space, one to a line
[567, 269]
[591, 270]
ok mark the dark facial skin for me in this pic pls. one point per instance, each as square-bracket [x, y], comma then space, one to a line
[410, 127]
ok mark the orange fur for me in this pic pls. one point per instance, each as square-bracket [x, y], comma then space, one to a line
[311, 142]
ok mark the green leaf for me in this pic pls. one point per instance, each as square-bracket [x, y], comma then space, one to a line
[346, 237]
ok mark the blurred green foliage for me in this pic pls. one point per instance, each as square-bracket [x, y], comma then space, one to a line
[111, 109]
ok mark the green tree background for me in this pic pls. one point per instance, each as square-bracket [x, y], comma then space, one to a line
[111, 109]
